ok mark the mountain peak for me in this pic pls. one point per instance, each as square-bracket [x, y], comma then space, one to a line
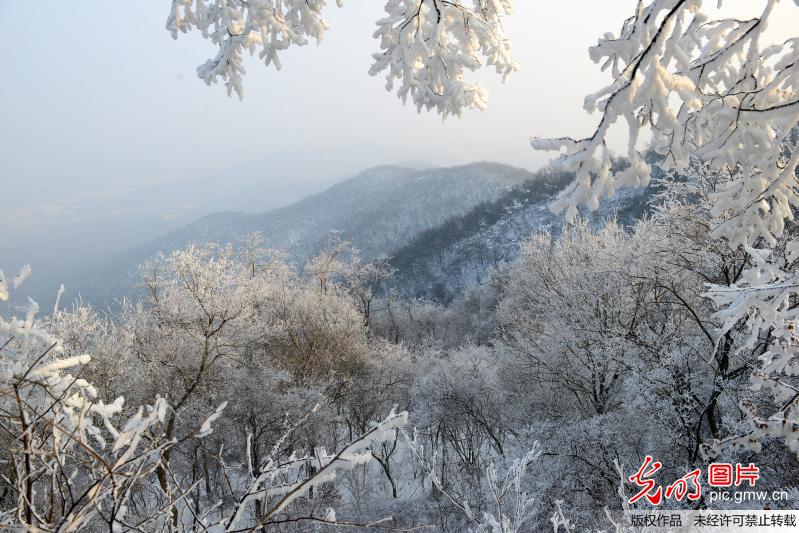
[380, 210]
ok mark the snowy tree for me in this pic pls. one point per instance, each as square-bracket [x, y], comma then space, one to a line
[577, 280]
[723, 92]
[365, 280]
[511, 507]
[201, 304]
[71, 461]
[426, 46]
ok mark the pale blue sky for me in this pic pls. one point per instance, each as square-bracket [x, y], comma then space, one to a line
[97, 94]
[98, 99]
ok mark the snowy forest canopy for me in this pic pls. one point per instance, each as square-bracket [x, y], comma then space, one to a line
[243, 392]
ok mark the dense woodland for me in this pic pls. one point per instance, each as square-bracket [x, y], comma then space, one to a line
[589, 352]
[242, 391]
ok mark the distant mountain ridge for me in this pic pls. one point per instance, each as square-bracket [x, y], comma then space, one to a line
[441, 262]
[380, 210]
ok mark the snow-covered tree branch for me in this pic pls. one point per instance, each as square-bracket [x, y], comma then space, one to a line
[427, 47]
[71, 460]
[713, 89]
[722, 95]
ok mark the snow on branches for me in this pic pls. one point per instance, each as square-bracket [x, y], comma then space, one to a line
[719, 92]
[70, 459]
[513, 506]
[714, 89]
[266, 482]
[427, 46]
[236, 26]
[16, 281]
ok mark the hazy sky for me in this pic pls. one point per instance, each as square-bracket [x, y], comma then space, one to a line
[96, 94]
[98, 99]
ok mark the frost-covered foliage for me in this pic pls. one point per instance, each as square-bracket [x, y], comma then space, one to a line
[240, 26]
[70, 460]
[76, 457]
[262, 482]
[598, 344]
[294, 357]
[713, 89]
[427, 46]
[719, 96]
[512, 508]
[531, 394]
[16, 281]
[577, 281]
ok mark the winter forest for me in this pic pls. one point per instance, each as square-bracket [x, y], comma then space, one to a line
[472, 348]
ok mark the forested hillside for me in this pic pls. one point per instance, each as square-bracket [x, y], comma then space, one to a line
[610, 343]
[378, 211]
[441, 262]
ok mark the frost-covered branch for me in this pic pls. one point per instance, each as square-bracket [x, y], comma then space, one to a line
[719, 92]
[512, 505]
[71, 460]
[712, 89]
[355, 453]
[427, 46]
[238, 26]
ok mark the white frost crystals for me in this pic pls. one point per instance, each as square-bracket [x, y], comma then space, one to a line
[706, 88]
[267, 481]
[427, 46]
[72, 462]
[58, 434]
[16, 281]
[726, 94]
[237, 25]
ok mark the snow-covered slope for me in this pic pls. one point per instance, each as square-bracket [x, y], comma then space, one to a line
[380, 210]
[440, 262]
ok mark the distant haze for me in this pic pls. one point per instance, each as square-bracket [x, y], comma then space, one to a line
[109, 139]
